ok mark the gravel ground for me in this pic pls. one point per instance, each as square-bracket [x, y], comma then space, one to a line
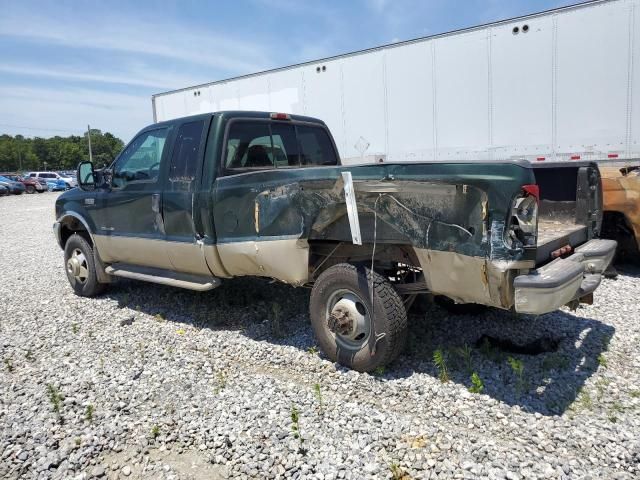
[154, 382]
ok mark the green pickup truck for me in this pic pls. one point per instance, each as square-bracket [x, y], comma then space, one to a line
[192, 201]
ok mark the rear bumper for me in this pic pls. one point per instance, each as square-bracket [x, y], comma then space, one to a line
[563, 280]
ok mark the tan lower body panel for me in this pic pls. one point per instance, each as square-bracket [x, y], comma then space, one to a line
[177, 256]
[132, 250]
[286, 260]
[468, 279]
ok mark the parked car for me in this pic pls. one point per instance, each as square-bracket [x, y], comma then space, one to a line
[70, 182]
[31, 185]
[621, 205]
[14, 187]
[56, 184]
[266, 195]
[3, 190]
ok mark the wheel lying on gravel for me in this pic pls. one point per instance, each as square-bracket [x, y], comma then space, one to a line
[349, 328]
[80, 267]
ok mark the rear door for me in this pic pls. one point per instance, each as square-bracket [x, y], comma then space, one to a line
[182, 225]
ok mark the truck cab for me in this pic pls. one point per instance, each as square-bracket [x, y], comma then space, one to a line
[192, 201]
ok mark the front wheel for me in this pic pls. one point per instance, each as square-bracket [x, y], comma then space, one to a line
[350, 327]
[30, 189]
[81, 268]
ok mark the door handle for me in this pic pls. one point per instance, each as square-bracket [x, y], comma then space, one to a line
[155, 203]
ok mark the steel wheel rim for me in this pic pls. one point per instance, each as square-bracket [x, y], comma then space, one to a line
[77, 266]
[355, 334]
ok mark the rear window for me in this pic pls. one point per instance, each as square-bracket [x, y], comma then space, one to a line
[254, 145]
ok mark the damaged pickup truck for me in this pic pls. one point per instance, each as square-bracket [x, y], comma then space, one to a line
[192, 201]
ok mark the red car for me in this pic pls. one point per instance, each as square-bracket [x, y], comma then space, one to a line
[31, 185]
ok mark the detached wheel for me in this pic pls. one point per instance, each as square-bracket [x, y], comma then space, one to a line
[350, 329]
[30, 189]
[80, 267]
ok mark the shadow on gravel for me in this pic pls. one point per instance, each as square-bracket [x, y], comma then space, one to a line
[568, 346]
[539, 363]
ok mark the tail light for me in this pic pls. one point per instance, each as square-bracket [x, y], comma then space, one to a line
[522, 230]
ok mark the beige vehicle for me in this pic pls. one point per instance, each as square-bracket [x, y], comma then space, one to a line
[621, 205]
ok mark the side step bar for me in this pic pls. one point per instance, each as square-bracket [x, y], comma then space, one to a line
[199, 283]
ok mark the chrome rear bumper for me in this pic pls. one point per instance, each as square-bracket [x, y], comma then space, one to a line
[563, 280]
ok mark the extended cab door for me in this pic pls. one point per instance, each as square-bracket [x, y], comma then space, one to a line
[184, 246]
[133, 231]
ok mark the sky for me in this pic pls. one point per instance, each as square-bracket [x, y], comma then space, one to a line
[66, 64]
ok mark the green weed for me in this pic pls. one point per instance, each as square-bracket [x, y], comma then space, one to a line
[518, 368]
[476, 383]
[295, 428]
[440, 362]
[602, 360]
[464, 353]
[9, 364]
[74, 328]
[88, 413]
[398, 473]
[221, 382]
[318, 392]
[55, 399]
[155, 431]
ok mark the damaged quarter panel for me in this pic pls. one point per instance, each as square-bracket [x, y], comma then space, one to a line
[446, 212]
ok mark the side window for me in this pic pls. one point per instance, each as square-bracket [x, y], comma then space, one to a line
[315, 146]
[184, 159]
[248, 146]
[285, 145]
[140, 161]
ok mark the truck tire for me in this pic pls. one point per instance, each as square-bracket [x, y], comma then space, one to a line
[30, 189]
[81, 268]
[350, 329]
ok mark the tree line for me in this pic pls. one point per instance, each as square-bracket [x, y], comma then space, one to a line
[18, 153]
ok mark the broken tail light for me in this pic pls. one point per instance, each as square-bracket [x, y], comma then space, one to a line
[522, 230]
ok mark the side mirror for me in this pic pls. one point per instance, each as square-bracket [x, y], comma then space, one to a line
[86, 176]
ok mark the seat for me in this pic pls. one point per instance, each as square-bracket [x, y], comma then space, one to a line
[257, 157]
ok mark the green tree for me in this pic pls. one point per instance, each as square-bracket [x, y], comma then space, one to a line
[18, 153]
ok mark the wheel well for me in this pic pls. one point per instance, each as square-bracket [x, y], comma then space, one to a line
[324, 254]
[70, 226]
[616, 226]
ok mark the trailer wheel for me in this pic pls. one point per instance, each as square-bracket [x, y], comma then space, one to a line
[350, 328]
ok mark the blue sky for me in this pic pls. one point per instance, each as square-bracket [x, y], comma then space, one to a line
[65, 64]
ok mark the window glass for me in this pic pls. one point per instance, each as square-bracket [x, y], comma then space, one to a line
[184, 160]
[285, 145]
[249, 146]
[315, 146]
[140, 161]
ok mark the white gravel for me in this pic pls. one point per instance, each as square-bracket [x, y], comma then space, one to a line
[154, 382]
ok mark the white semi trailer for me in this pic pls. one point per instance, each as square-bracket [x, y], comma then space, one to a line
[558, 85]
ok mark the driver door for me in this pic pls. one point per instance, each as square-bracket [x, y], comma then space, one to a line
[133, 231]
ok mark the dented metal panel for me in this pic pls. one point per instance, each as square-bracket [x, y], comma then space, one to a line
[453, 215]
